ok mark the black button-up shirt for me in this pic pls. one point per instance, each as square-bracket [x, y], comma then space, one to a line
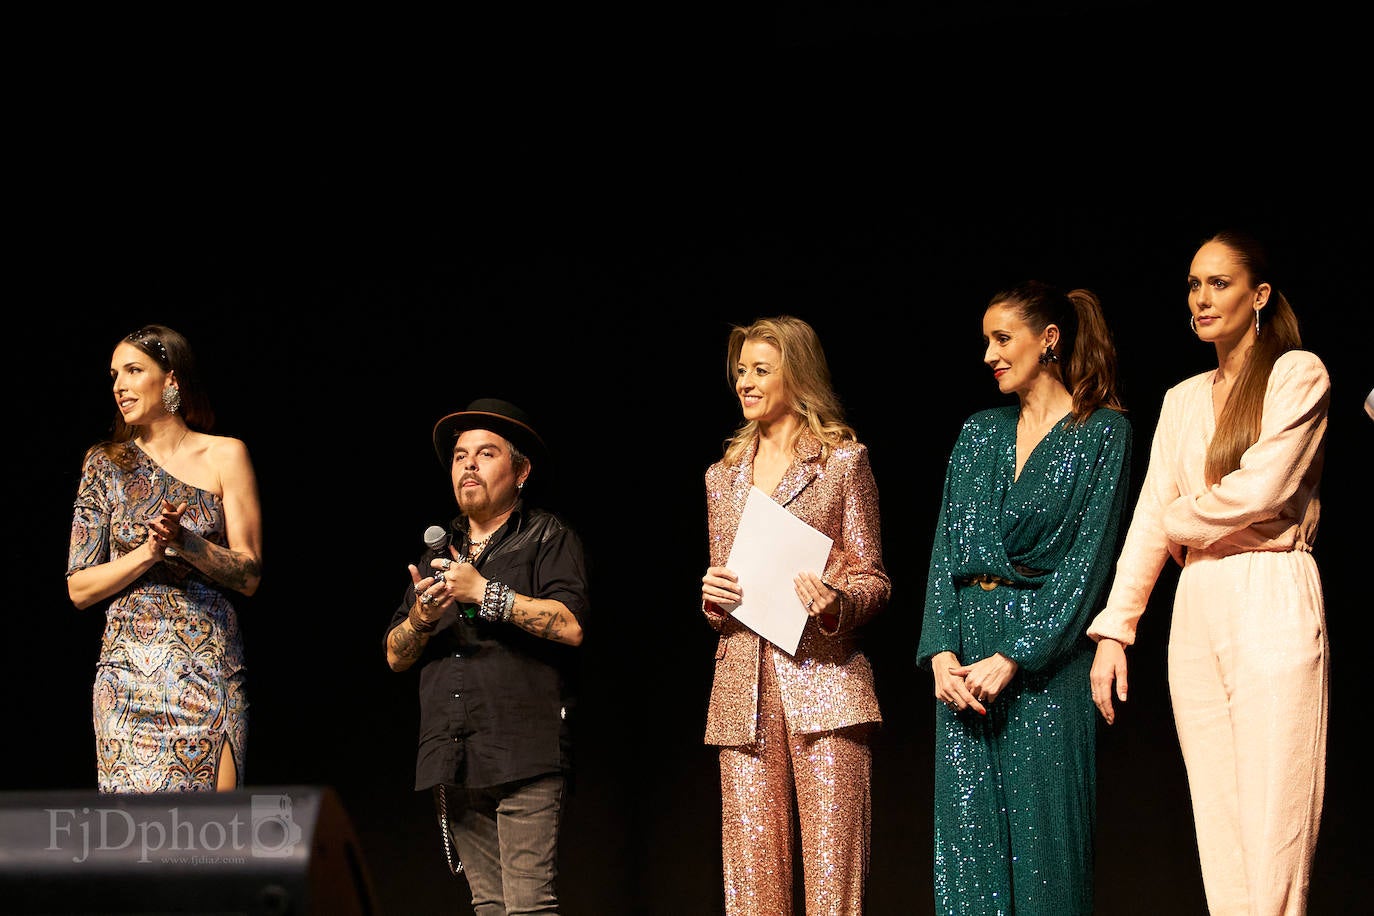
[496, 702]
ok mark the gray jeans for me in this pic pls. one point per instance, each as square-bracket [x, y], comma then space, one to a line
[507, 839]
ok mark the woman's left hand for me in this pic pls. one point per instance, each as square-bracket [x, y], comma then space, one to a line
[165, 527]
[987, 677]
[817, 597]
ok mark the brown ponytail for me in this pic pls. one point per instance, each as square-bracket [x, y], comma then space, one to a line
[1086, 350]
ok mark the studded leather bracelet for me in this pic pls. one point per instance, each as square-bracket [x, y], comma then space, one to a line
[498, 602]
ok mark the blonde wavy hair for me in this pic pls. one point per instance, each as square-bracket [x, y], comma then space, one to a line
[805, 375]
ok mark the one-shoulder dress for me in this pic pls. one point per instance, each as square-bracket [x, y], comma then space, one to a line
[169, 685]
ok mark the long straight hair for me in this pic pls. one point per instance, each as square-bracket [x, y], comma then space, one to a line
[1238, 427]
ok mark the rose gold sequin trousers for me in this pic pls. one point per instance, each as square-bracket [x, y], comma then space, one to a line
[831, 773]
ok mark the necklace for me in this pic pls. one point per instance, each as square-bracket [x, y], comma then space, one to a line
[476, 547]
[157, 471]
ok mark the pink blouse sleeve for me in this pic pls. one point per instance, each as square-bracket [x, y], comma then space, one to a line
[1271, 470]
[1146, 546]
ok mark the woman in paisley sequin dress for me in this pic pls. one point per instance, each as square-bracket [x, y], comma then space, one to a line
[793, 729]
[166, 524]
[1034, 497]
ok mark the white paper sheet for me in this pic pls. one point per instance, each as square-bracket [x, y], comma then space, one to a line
[771, 547]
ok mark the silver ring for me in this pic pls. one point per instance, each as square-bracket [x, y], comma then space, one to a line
[445, 563]
[426, 599]
[439, 579]
[809, 603]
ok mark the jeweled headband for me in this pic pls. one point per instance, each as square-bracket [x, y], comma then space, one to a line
[149, 340]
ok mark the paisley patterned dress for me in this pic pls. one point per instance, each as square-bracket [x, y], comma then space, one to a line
[169, 686]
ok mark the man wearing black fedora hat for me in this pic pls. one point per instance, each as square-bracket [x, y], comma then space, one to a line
[491, 616]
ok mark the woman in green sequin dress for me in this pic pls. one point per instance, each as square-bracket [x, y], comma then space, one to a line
[1034, 497]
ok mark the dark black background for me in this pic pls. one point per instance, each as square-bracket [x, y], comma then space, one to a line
[362, 225]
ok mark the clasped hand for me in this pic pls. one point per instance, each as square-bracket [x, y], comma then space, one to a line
[450, 580]
[164, 528]
[972, 686]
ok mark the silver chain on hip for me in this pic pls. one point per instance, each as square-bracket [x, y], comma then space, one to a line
[455, 864]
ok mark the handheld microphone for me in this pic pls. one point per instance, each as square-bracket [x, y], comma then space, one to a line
[436, 539]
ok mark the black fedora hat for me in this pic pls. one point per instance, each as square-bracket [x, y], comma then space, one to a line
[501, 417]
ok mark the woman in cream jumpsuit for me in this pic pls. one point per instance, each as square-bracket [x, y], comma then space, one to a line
[1247, 657]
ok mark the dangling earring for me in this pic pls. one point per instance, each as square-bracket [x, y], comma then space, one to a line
[1192, 323]
[1048, 357]
[1256, 324]
[171, 398]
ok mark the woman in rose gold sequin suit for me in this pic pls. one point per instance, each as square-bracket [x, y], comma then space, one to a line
[1231, 494]
[793, 729]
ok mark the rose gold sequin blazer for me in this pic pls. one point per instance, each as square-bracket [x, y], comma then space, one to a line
[829, 683]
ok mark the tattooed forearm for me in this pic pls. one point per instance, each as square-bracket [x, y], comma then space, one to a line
[219, 564]
[547, 620]
[404, 646]
[553, 627]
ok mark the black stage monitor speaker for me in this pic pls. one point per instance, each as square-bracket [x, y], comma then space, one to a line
[268, 851]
